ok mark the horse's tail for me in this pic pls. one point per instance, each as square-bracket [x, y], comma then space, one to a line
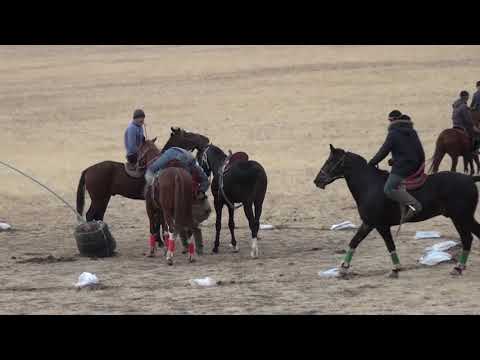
[183, 202]
[81, 194]
[437, 157]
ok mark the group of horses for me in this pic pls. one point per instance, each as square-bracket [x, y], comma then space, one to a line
[169, 208]
[447, 193]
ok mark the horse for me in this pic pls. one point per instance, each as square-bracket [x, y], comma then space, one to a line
[108, 178]
[450, 194]
[456, 143]
[170, 205]
[245, 182]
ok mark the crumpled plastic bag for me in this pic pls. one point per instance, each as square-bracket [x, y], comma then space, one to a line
[5, 226]
[86, 279]
[443, 246]
[435, 257]
[329, 273]
[266, 227]
[205, 282]
[427, 235]
[344, 225]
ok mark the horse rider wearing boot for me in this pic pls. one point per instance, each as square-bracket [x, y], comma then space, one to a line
[200, 208]
[475, 105]
[462, 118]
[134, 137]
[408, 156]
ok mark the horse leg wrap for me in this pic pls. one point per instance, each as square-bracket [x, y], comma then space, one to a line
[191, 249]
[395, 260]
[348, 258]
[462, 261]
[170, 244]
[153, 241]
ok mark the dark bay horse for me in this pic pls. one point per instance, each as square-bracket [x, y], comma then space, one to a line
[245, 182]
[456, 143]
[170, 204]
[452, 195]
[108, 178]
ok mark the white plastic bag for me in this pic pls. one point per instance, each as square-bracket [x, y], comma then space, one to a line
[266, 227]
[443, 246]
[86, 279]
[343, 226]
[435, 257]
[4, 226]
[329, 273]
[427, 235]
[205, 282]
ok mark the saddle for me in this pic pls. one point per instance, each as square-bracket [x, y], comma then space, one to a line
[416, 180]
[233, 158]
[133, 171]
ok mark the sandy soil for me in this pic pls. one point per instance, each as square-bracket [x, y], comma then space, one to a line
[66, 107]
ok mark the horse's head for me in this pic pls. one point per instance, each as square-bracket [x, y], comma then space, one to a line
[333, 168]
[186, 140]
[147, 152]
[210, 159]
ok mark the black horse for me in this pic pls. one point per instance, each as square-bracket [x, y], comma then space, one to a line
[449, 194]
[245, 182]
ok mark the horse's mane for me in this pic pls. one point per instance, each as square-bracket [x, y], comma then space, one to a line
[361, 160]
[217, 151]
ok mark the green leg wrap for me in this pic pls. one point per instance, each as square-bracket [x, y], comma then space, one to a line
[348, 256]
[395, 259]
[464, 257]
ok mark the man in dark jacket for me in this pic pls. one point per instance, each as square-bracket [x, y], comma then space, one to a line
[462, 117]
[475, 105]
[408, 156]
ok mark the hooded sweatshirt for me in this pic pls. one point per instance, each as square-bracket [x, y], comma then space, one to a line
[404, 144]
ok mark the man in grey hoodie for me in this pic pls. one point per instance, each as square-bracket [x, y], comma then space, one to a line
[134, 136]
[462, 117]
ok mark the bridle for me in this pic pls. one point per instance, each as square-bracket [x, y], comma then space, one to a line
[338, 163]
[204, 159]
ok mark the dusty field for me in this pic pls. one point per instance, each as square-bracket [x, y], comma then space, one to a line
[65, 108]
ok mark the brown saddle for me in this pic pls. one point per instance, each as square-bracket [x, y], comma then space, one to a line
[133, 171]
[417, 180]
[233, 158]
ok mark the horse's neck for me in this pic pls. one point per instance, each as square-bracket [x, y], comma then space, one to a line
[217, 161]
[359, 178]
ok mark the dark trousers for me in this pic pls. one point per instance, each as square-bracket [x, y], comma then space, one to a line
[394, 191]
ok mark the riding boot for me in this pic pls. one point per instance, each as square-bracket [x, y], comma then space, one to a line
[408, 204]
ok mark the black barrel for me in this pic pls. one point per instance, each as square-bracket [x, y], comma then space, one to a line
[95, 240]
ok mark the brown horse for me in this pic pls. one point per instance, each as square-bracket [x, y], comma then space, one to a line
[456, 143]
[108, 178]
[169, 203]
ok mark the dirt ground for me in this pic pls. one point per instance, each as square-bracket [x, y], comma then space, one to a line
[64, 108]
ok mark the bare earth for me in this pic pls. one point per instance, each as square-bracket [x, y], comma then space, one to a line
[64, 108]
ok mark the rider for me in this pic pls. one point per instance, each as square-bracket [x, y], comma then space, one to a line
[462, 117]
[408, 156]
[134, 136]
[475, 105]
[200, 208]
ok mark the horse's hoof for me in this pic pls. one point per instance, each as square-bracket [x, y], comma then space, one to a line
[215, 251]
[393, 274]
[254, 254]
[170, 262]
[185, 251]
[235, 249]
[191, 260]
[456, 271]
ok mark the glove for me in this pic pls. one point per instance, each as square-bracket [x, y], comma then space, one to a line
[390, 162]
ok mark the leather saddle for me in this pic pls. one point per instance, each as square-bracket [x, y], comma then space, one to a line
[233, 158]
[133, 171]
[416, 180]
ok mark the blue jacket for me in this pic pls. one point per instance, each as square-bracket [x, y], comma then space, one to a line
[188, 161]
[133, 138]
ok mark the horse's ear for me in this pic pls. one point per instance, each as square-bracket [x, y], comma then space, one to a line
[332, 149]
[154, 139]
